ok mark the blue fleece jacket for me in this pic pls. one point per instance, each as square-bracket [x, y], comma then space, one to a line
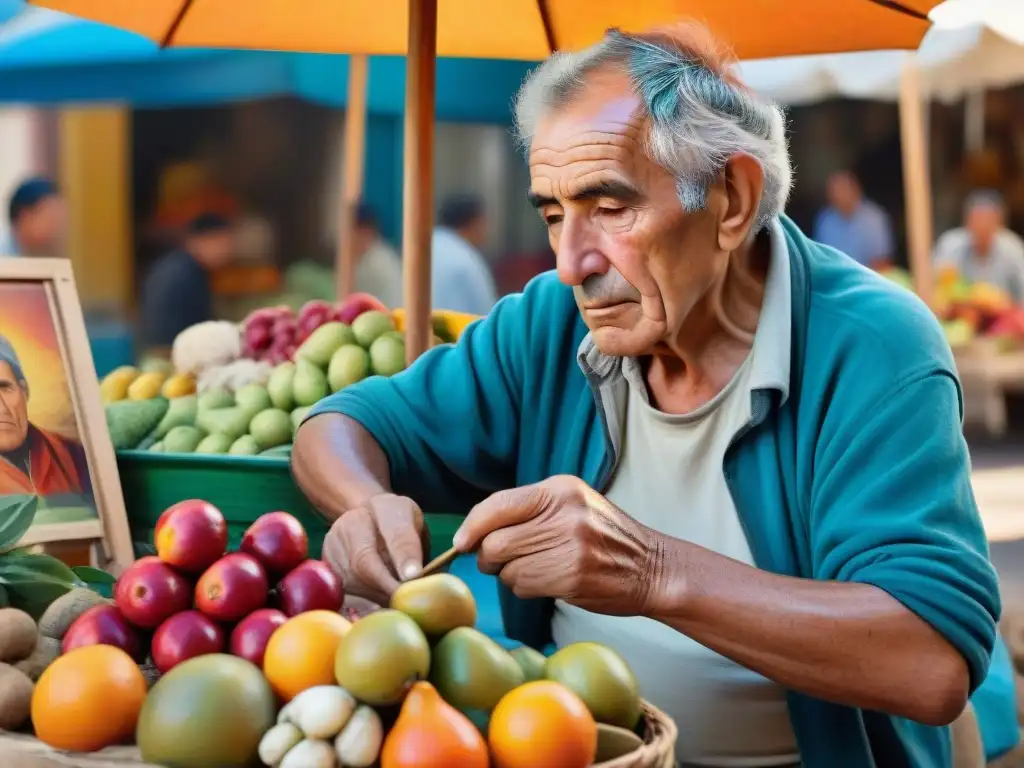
[861, 474]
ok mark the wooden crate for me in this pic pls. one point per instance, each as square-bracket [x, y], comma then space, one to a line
[23, 751]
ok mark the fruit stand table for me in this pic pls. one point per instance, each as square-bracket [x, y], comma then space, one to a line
[986, 376]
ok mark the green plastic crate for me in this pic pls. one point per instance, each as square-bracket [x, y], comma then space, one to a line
[242, 487]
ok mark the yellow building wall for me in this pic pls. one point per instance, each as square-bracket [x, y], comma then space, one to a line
[95, 176]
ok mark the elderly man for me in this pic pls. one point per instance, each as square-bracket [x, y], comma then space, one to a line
[983, 249]
[32, 460]
[708, 442]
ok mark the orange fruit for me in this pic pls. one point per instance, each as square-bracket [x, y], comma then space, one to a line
[301, 652]
[542, 725]
[88, 699]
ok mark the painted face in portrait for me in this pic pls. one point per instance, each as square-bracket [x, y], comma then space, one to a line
[13, 410]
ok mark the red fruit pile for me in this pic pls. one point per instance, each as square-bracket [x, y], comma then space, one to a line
[196, 598]
[274, 333]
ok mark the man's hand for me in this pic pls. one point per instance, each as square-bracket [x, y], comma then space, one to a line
[560, 538]
[377, 545]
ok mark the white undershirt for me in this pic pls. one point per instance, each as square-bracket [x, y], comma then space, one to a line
[670, 478]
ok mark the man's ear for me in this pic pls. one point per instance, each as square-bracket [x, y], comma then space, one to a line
[742, 185]
[24, 387]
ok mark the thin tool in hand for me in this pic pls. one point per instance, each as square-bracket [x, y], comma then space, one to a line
[439, 562]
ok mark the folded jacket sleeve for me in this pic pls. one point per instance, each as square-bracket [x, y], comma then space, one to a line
[449, 424]
[892, 506]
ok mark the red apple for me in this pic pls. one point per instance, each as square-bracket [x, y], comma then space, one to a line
[150, 591]
[184, 636]
[103, 625]
[251, 635]
[191, 535]
[357, 303]
[278, 541]
[310, 586]
[233, 587]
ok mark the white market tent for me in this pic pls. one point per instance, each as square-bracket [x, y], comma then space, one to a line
[974, 45]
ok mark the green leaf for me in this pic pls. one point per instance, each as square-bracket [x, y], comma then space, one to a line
[32, 582]
[5, 601]
[16, 515]
[91, 575]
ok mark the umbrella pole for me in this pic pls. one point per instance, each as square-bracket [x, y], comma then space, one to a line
[916, 184]
[353, 159]
[418, 188]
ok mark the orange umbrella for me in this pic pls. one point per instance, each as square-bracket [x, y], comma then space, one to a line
[506, 29]
[509, 29]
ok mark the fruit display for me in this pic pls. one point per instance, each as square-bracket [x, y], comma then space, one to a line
[257, 665]
[971, 310]
[249, 397]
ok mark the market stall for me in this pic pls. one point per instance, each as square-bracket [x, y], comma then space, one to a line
[229, 611]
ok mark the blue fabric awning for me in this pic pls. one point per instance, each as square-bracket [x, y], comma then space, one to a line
[50, 58]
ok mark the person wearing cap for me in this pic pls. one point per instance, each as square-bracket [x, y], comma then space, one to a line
[378, 265]
[177, 292]
[461, 280]
[32, 460]
[37, 219]
[983, 249]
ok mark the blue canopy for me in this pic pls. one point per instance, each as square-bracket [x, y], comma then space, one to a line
[52, 58]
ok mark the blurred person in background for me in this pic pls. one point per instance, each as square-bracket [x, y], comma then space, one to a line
[38, 220]
[461, 279]
[983, 249]
[177, 292]
[378, 265]
[853, 224]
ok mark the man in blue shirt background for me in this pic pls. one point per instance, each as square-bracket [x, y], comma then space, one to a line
[853, 224]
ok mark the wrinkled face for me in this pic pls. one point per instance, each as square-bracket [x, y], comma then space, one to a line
[42, 228]
[13, 411]
[983, 221]
[637, 261]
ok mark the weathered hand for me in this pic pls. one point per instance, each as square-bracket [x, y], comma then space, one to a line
[377, 545]
[560, 538]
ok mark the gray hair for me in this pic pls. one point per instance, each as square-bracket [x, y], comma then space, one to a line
[984, 198]
[699, 113]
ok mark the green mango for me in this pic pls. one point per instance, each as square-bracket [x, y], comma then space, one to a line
[471, 671]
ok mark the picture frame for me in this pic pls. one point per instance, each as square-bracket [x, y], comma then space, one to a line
[54, 440]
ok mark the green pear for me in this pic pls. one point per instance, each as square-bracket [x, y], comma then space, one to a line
[324, 342]
[279, 386]
[349, 364]
[309, 385]
[253, 398]
[232, 422]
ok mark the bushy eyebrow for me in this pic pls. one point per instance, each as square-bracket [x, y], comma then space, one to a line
[616, 190]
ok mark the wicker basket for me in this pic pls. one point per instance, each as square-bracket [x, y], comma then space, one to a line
[659, 743]
[658, 750]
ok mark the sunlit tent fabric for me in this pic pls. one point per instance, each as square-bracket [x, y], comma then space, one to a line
[952, 62]
[48, 57]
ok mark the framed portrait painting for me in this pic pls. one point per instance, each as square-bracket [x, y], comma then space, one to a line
[54, 442]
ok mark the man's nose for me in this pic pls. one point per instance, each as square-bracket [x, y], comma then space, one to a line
[578, 254]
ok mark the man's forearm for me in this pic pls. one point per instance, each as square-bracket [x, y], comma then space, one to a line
[848, 643]
[338, 464]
